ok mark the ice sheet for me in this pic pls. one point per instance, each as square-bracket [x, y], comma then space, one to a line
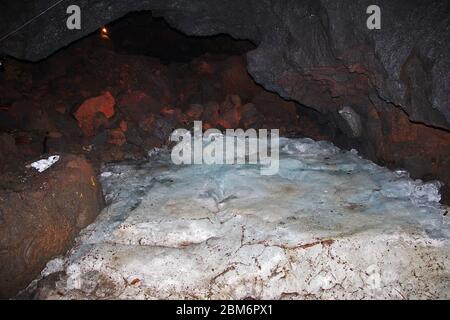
[329, 225]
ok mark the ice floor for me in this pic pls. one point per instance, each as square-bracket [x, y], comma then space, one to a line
[330, 225]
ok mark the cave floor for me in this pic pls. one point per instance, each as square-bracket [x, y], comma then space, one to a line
[329, 225]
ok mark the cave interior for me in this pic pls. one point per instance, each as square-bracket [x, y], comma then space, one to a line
[106, 104]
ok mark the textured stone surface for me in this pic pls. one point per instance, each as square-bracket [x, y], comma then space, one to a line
[330, 225]
[319, 53]
[40, 217]
[86, 114]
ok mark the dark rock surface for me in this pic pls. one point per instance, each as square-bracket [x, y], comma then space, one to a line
[40, 215]
[319, 53]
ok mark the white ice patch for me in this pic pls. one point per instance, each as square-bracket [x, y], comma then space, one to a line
[55, 265]
[329, 225]
[353, 119]
[106, 174]
[44, 164]
[154, 151]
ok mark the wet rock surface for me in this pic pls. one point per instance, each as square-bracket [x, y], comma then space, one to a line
[330, 225]
[41, 214]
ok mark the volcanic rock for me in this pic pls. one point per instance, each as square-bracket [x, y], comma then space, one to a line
[42, 217]
[86, 113]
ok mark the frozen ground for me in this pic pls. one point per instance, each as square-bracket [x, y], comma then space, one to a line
[329, 225]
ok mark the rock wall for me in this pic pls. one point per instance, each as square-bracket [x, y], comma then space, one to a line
[40, 215]
[319, 53]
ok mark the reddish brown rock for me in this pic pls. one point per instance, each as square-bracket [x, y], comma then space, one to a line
[137, 104]
[110, 153]
[7, 144]
[8, 150]
[117, 137]
[41, 217]
[174, 113]
[163, 128]
[195, 112]
[235, 79]
[54, 135]
[232, 101]
[230, 119]
[86, 113]
[202, 66]
[23, 138]
[99, 123]
[211, 115]
[61, 109]
[151, 142]
[250, 117]
[123, 126]
[30, 116]
[276, 111]
[148, 123]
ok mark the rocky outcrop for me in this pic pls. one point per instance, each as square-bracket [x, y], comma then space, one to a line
[41, 215]
[87, 112]
[319, 53]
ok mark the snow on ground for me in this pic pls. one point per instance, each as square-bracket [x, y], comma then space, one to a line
[330, 225]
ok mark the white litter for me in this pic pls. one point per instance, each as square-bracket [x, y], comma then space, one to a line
[44, 164]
